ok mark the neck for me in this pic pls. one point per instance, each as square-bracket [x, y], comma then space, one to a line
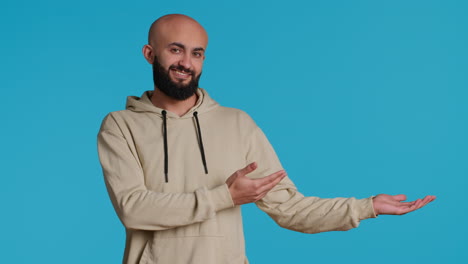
[159, 99]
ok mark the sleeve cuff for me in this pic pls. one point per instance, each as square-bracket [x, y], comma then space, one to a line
[221, 197]
[367, 208]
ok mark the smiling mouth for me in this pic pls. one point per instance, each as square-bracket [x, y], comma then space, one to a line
[181, 75]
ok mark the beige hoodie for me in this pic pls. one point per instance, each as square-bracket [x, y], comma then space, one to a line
[191, 218]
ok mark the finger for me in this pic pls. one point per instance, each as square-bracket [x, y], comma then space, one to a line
[407, 209]
[424, 201]
[231, 179]
[260, 196]
[270, 185]
[267, 188]
[399, 197]
[419, 203]
[248, 169]
[406, 203]
[270, 178]
[430, 198]
[427, 200]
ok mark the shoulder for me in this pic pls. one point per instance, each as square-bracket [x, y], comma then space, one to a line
[235, 117]
[236, 113]
[114, 120]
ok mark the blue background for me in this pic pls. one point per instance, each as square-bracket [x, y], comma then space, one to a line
[357, 97]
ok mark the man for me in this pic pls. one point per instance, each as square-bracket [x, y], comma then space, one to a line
[168, 162]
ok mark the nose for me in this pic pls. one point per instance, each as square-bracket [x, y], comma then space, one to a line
[186, 61]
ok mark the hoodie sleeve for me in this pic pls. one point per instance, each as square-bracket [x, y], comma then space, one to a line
[291, 210]
[143, 209]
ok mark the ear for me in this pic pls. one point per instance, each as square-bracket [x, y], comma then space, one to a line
[148, 53]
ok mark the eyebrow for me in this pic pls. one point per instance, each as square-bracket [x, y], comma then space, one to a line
[182, 46]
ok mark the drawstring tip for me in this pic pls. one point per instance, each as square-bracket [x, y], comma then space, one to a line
[166, 176]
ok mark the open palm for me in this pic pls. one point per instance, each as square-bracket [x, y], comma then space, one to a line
[395, 205]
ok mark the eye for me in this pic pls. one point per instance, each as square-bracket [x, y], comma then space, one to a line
[197, 54]
[175, 50]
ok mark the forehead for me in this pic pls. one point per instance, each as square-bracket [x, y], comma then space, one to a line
[189, 34]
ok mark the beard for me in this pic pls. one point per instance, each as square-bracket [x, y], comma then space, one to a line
[165, 84]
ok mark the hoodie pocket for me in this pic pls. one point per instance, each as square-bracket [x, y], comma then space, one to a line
[146, 256]
[183, 250]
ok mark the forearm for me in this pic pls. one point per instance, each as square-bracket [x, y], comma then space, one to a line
[141, 208]
[291, 210]
[149, 210]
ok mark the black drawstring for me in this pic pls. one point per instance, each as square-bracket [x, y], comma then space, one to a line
[166, 161]
[166, 156]
[202, 150]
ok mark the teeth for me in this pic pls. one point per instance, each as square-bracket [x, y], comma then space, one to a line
[181, 73]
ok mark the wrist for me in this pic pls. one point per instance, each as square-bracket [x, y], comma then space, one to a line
[221, 197]
[374, 206]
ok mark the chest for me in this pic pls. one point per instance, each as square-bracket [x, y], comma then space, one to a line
[223, 146]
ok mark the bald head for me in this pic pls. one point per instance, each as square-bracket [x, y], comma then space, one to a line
[176, 49]
[175, 24]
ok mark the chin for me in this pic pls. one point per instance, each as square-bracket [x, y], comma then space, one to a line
[183, 84]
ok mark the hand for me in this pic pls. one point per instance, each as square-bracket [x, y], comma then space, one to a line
[394, 205]
[245, 190]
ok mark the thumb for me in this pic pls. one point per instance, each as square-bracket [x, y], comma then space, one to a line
[399, 197]
[248, 169]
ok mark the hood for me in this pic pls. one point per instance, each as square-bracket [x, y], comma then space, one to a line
[143, 104]
[203, 105]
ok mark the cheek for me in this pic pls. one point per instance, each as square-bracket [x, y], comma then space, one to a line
[169, 64]
[167, 61]
[198, 67]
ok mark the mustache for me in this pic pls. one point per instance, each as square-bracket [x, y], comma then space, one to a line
[182, 69]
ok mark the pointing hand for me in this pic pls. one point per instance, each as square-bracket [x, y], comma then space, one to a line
[245, 190]
[394, 205]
